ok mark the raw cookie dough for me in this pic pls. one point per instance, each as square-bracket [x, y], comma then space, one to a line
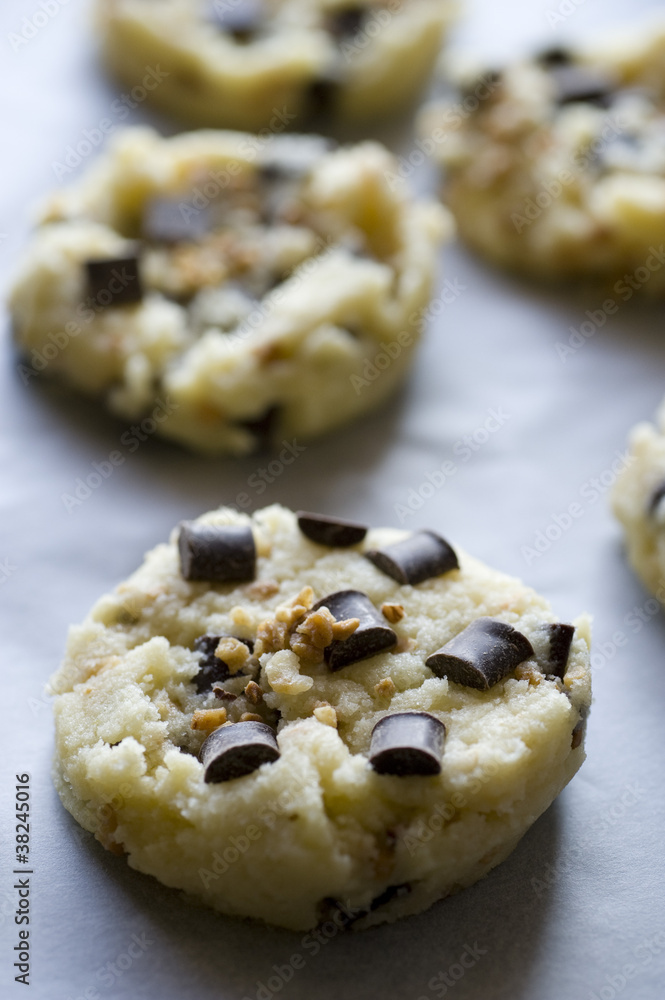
[230, 291]
[340, 825]
[248, 64]
[555, 166]
[638, 500]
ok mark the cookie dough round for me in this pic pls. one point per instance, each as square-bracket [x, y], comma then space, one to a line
[555, 166]
[229, 291]
[638, 500]
[320, 833]
[249, 64]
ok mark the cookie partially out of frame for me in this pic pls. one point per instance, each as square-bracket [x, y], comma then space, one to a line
[240, 63]
[298, 719]
[251, 290]
[554, 166]
[638, 500]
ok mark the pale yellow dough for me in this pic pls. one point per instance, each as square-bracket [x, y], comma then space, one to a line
[318, 824]
[214, 81]
[562, 191]
[352, 268]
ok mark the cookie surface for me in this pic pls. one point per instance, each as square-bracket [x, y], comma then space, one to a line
[637, 501]
[227, 64]
[358, 791]
[555, 166]
[234, 291]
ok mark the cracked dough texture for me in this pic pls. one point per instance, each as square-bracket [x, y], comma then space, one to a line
[562, 192]
[346, 273]
[318, 824]
[215, 82]
[644, 530]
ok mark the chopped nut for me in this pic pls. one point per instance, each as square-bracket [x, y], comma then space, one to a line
[317, 631]
[209, 719]
[241, 616]
[223, 695]
[393, 612]
[250, 717]
[405, 645]
[291, 613]
[271, 636]
[326, 714]
[526, 672]
[262, 589]
[254, 693]
[283, 674]
[385, 688]
[233, 652]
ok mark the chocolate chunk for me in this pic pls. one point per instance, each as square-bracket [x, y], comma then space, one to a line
[555, 55]
[418, 557]
[579, 732]
[392, 892]
[322, 95]
[211, 668]
[577, 83]
[560, 637]
[233, 751]
[114, 281]
[217, 552]
[656, 497]
[371, 637]
[263, 427]
[345, 23]
[331, 531]
[170, 220]
[241, 19]
[407, 743]
[481, 655]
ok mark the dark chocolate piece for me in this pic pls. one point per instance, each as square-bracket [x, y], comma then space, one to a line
[418, 557]
[211, 668]
[392, 892]
[242, 19]
[577, 83]
[407, 743]
[481, 655]
[172, 220]
[114, 281]
[233, 751]
[656, 497]
[331, 531]
[579, 732]
[217, 552]
[345, 23]
[263, 427]
[322, 95]
[555, 55]
[560, 638]
[371, 637]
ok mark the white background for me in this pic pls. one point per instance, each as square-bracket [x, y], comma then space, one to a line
[598, 854]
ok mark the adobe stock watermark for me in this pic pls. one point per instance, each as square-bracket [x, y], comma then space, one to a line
[372, 26]
[634, 621]
[549, 191]
[391, 350]
[464, 449]
[119, 110]
[644, 953]
[131, 440]
[625, 288]
[425, 829]
[452, 117]
[35, 22]
[561, 522]
[557, 15]
[447, 979]
[7, 570]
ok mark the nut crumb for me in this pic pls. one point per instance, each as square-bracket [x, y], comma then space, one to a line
[233, 652]
[241, 616]
[250, 717]
[326, 714]
[385, 688]
[526, 672]
[254, 693]
[393, 612]
[318, 630]
[262, 589]
[209, 719]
